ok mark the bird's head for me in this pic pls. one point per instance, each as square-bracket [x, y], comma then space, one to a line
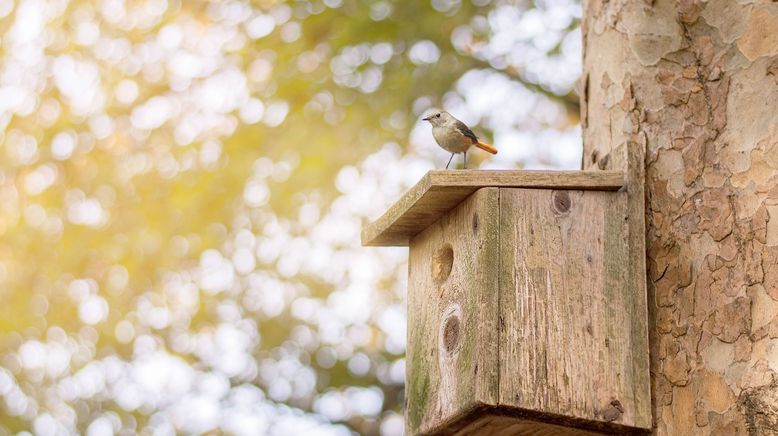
[438, 118]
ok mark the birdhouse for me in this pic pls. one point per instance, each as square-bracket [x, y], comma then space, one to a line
[526, 301]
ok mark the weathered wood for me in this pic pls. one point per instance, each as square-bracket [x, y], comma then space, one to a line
[440, 191]
[526, 305]
[452, 307]
[636, 281]
[569, 339]
[506, 421]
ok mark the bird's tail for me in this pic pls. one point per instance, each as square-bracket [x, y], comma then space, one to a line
[486, 147]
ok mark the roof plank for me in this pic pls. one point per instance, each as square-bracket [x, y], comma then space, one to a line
[439, 191]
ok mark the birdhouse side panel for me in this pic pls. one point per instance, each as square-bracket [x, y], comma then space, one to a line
[452, 350]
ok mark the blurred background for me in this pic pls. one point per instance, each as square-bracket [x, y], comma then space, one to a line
[183, 184]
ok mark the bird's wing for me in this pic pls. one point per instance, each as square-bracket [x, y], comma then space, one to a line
[464, 130]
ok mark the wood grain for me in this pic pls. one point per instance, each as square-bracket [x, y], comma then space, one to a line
[452, 336]
[440, 191]
[503, 421]
[568, 339]
[636, 280]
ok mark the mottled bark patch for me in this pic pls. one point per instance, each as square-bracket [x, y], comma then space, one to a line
[761, 410]
[761, 35]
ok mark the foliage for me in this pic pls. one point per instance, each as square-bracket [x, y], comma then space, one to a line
[182, 186]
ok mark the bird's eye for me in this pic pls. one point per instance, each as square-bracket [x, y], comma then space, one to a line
[437, 115]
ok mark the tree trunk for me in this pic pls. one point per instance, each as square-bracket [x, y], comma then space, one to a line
[696, 84]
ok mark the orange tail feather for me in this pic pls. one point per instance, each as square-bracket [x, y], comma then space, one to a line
[486, 147]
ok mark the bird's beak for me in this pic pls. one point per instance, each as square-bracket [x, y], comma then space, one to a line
[426, 118]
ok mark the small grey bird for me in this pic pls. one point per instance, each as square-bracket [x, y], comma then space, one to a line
[454, 136]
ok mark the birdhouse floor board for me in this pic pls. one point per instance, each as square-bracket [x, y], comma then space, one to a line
[439, 191]
[506, 421]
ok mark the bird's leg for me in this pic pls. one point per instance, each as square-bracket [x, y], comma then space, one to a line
[465, 161]
[449, 160]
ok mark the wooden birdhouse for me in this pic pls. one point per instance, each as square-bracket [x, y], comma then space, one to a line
[526, 301]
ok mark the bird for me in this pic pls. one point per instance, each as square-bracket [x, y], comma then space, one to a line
[454, 135]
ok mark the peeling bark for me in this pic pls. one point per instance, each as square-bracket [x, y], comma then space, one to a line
[697, 83]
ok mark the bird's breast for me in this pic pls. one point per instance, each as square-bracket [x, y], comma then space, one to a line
[451, 140]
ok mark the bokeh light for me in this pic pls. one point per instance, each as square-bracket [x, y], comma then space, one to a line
[183, 185]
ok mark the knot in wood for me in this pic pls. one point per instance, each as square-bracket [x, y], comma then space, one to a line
[613, 411]
[451, 333]
[562, 202]
[442, 262]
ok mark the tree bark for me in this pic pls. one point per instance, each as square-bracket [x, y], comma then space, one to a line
[696, 83]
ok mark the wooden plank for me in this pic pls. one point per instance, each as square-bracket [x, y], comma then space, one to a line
[583, 180]
[490, 420]
[496, 425]
[440, 191]
[451, 357]
[636, 281]
[568, 340]
[508, 426]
